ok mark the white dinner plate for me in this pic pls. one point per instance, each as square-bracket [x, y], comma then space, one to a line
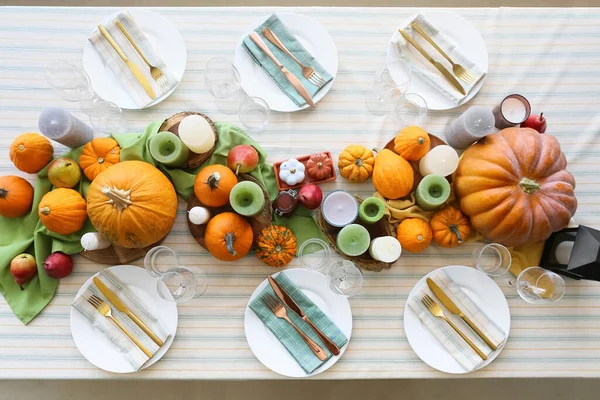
[315, 39]
[269, 350]
[165, 39]
[471, 44]
[97, 348]
[483, 291]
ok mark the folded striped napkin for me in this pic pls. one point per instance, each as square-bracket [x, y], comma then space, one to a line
[425, 69]
[118, 67]
[460, 350]
[131, 352]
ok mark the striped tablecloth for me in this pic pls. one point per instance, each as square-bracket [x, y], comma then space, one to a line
[551, 56]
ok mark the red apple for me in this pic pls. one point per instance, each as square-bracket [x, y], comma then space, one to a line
[23, 268]
[64, 173]
[242, 158]
[310, 196]
[58, 265]
[537, 122]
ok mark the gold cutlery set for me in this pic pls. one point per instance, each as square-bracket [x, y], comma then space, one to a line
[104, 308]
[458, 69]
[436, 310]
[155, 72]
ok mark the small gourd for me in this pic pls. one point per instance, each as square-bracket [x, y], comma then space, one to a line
[31, 152]
[414, 234]
[98, 155]
[213, 185]
[356, 163]
[393, 177]
[412, 143]
[16, 196]
[292, 172]
[63, 211]
[276, 246]
[450, 227]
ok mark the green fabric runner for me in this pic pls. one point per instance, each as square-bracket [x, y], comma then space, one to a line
[28, 235]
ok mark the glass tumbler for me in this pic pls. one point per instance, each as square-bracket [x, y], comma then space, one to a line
[315, 254]
[389, 85]
[254, 114]
[159, 260]
[492, 259]
[344, 278]
[182, 284]
[536, 285]
[411, 109]
[223, 81]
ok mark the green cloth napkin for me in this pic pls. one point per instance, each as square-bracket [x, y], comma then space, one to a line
[286, 333]
[135, 147]
[28, 235]
[296, 48]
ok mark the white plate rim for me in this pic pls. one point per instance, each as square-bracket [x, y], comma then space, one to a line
[90, 55]
[241, 56]
[119, 270]
[452, 270]
[392, 54]
[345, 313]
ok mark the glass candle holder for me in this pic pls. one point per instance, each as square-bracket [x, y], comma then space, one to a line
[492, 259]
[441, 160]
[474, 124]
[223, 81]
[411, 109]
[254, 114]
[315, 254]
[159, 260]
[512, 111]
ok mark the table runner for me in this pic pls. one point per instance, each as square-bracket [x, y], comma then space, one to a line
[551, 56]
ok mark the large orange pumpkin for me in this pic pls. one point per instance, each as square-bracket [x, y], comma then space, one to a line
[393, 177]
[16, 196]
[228, 236]
[514, 186]
[213, 185]
[132, 204]
[62, 211]
[98, 155]
[31, 152]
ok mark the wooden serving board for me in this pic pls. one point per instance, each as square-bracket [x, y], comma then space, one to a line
[258, 222]
[115, 255]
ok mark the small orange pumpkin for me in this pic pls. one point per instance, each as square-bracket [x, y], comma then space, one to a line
[98, 155]
[31, 152]
[276, 246]
[356, 163]
[62, 211]
[412, 143]
[228, 236]
[450, 227]
[213, 185]
[16, 196]
[393, 177]
[319, 166]
[414, 234]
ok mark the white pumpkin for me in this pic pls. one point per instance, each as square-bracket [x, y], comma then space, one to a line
[292, 172]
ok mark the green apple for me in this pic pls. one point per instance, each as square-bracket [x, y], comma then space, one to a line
[64, 173]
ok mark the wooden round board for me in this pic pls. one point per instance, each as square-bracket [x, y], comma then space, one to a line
[258, 222]
[171, 124]
[378, 229]
[115, 255]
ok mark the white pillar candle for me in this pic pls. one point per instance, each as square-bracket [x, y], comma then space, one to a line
[196, 133]
[94, 241]
[441, 160]
[474, 124]
[385, 248]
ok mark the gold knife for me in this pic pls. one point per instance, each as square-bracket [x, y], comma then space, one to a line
[452, 307]
[115, 301]
[449, 77]
[135, 70]
[288, 75]
[288, 301]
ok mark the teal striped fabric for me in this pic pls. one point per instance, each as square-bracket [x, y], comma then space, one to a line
[551, 56]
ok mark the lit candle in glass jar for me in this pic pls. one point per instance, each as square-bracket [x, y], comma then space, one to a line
[513, 110]
[441, 160]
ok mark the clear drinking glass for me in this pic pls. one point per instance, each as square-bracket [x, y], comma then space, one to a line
[105, 116]
[411, 109]
[538, 286]
[315, 254]
[345, 278]
[254, 114]
[389, 85]
[223, 81]
[159, 260]
[182, 284]
[492, 259]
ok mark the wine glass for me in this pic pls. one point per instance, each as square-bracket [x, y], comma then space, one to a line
[182, 284]
[411, 109]
[223, 81]
[344, 278]
[254, 114]
[492, 259]
[389, 86]
[536, 285]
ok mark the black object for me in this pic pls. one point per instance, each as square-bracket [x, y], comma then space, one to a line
[584, 262]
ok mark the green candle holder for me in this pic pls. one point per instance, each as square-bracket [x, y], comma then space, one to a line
[433, 191]
[372, 209]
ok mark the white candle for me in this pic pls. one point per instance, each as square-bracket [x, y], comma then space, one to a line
[514, 110]
[385, 249]
[441, 160]
[94, 241]
[196, 133]
[199, 215]
[563, 252]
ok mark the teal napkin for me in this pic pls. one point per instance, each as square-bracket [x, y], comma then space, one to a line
[296, 48]
[286, 333]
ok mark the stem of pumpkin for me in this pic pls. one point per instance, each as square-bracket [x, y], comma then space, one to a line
[213, 180]
[119, 198]
[100, 160]
[529, 186]
[229, 240]
[3, 193]
[45, 210]
[454, 229]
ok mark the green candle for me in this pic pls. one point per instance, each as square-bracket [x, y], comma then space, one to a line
[247, 198]
[371, 210]
[432, 192]
[167, 149]
[353, 240]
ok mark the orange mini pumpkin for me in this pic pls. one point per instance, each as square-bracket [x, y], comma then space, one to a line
[450, 227]
[62, 211]
[276, 246]
[213, 185]
[412, 143]
[98, 155]
[16, 196]
[31, 152]
[228, 236]
[356, 163]
[414, 234]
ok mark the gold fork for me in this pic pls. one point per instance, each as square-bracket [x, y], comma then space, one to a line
[104, 309]
[280, 312]
[435, 309]
[458, 69]
[156, 73]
